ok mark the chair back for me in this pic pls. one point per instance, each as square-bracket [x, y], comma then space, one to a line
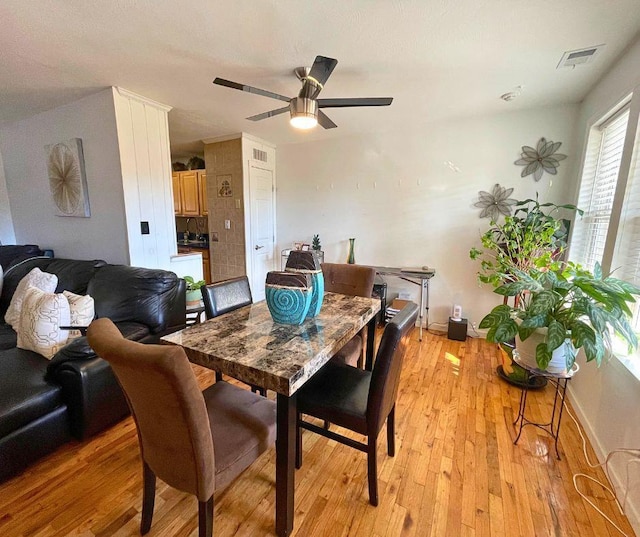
[225, 296]
[385, 376]
[353, 280]
[167, 406]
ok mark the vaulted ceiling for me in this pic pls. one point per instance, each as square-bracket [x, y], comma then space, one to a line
[438, 59]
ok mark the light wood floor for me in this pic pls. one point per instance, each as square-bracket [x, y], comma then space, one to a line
[456, 472]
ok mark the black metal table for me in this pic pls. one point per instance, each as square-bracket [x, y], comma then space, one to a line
[559, 381]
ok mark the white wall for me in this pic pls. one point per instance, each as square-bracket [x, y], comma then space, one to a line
[143, 138]
[607, 399]
[7, 234]
[103, 236]
[394, 193]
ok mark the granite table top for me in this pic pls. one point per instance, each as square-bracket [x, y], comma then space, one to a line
[248, 345]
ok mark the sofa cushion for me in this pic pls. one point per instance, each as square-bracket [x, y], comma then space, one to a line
[26, 395]
[10, 254]
[8, 337]
[36, 278]
[141, 295]
[41, 318]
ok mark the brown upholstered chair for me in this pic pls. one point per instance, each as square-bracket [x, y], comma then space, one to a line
[359, 400]
[354, 280]
[224, 297]
[197, 442]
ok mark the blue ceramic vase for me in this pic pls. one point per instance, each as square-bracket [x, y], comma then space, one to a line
[300, 262]
[288, 296]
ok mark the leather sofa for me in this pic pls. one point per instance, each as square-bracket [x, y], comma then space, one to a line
[43, 403]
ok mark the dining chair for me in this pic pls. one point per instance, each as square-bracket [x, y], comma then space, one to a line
[357, 399]
[353, 280]
[197, 442]
[226, 296]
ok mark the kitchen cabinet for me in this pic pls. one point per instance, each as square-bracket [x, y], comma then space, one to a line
[190, 193]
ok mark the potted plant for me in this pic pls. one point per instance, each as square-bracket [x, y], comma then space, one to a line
[194, 295]
[532, 237]
[566, 308]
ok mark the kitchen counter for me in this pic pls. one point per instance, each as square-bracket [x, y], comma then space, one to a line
[196, 245]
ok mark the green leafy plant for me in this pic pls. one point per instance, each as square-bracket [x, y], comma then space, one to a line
[571, 303]
[533, 237]
[193, 285]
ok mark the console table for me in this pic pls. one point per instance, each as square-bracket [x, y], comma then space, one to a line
[418, 276]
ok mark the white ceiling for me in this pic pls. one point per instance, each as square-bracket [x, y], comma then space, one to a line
[439, 59]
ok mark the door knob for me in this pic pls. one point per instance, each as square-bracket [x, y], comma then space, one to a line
[258, 247]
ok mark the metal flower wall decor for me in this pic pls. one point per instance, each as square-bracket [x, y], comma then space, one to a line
[541, 159]
[496, 202]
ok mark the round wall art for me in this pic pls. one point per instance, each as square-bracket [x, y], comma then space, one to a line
[67, 180]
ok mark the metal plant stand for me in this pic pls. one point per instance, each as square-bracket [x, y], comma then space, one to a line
[559, 381]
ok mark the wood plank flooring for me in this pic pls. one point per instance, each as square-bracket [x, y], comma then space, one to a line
[456, 472]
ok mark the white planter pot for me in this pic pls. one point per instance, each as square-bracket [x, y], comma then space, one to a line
[527, 352]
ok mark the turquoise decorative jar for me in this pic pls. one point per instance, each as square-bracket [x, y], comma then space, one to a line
[301, 262]
[288, 296]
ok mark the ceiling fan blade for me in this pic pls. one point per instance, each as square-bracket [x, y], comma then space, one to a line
[250, 89]
[322, 68]
[324, 121]
[364, 101]
[270, 113]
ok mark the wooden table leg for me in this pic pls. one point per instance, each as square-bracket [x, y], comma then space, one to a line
[285, 463]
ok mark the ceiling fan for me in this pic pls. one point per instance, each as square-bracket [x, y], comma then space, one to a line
[305, 108]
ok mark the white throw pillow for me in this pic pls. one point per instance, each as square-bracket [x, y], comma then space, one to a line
[36, 278]
[82, 311]
[41, 317]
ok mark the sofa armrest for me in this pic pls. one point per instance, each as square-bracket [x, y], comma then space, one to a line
[93, 396]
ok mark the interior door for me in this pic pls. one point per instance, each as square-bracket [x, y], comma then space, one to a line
[262, 228]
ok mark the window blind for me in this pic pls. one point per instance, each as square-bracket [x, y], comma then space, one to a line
[597, 189]
[626, 258]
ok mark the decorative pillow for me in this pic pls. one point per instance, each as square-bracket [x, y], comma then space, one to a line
[82, 311]
[41, 316]
[36, 278]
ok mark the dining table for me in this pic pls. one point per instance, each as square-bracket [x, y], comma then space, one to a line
[248, 345]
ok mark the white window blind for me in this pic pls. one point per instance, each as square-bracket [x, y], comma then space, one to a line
[626, 258]
[597, 189]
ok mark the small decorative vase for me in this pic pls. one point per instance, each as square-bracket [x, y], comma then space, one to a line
[288, 296]
[351, 259]
[308, 263]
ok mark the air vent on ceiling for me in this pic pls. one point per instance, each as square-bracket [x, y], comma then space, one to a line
[259, 155]
[572, 58]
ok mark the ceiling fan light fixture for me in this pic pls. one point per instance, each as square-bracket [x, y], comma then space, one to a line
[304, 113]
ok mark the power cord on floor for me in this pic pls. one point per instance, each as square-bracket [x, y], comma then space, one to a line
[604, 465]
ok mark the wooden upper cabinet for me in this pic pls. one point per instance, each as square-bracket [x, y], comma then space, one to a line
[190, 193]
[202, 184]
[177, 190]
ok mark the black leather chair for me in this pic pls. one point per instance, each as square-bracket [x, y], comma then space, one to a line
[357, 399]
[226, 296]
